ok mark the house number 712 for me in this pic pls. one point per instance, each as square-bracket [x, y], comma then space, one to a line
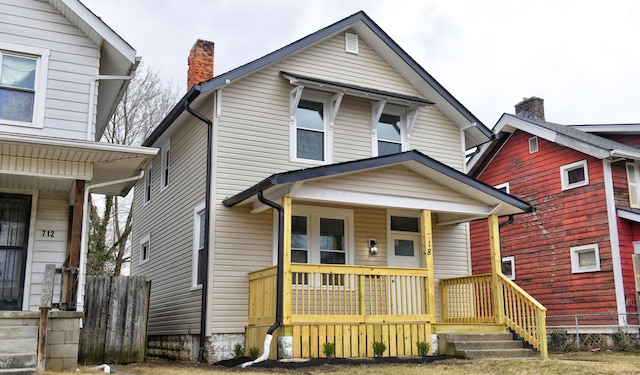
[48, 233]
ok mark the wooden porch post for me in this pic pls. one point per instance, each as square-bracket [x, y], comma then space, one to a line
[287, 279]
[74, 244]
[496, 267]
[427, 255]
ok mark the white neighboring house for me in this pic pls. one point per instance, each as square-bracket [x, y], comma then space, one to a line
[62, 73]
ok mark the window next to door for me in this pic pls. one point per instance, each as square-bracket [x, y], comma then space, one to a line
[321, 235]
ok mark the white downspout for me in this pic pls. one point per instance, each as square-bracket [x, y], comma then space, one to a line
[84, 242]
[92, 100]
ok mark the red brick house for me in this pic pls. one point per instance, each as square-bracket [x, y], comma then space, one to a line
[575, 253]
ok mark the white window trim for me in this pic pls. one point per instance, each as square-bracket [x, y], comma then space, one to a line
[146, 239]
[42, 70]
[564, 177]
[166, 165]
[511, 260]
[381, 107]
[329, 109]
[197, 211]
[533, 141]
[314, 213]
[633, 183]
[575, 266]
[148, 184]
[504, 186]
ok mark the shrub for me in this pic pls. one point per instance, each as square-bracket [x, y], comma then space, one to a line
[254, 352]
[329, 349]
[378, 348]
[423, 349]
[238, 351]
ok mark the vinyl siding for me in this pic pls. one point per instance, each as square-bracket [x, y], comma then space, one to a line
[52, 213]
[73, 63]
[168, 220]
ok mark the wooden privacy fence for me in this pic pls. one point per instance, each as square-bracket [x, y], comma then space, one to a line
[115, 320]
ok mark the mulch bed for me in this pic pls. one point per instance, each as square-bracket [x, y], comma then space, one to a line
[317, 362]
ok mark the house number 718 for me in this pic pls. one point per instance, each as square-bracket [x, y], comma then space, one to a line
[48, 233]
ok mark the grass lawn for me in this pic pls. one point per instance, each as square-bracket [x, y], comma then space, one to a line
[562, 364]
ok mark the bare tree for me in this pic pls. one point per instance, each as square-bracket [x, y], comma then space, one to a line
[145, 103]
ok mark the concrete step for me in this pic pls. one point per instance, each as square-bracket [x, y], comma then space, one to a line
[486, 345]
[18, 332]
[498, 353]
[18, 371]
[18, 360]
[19, 346]
[479, 336]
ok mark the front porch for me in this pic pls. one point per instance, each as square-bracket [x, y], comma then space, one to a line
[353, 306]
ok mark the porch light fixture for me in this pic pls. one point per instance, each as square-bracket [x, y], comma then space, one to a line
[373, 246]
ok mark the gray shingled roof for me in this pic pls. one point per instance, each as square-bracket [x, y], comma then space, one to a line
[584, 137]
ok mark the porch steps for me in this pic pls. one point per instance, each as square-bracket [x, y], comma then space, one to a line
[18, 348]
[485, 346]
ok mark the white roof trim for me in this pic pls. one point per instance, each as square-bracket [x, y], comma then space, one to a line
[629, 216]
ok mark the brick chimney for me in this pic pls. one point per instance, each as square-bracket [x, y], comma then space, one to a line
[200, 63]
[532, 108]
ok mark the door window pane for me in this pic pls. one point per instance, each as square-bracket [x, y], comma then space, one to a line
[403, 248]
[405, 224]
[331, 234]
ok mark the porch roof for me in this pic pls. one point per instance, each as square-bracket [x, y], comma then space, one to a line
[30, 161]
[486, 199]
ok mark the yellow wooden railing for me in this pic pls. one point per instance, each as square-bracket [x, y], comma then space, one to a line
[338, 293]
[524, 315]
[262, 296]
[470, 299]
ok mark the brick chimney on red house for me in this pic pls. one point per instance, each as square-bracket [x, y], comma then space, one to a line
[200, 63]
[532, 108]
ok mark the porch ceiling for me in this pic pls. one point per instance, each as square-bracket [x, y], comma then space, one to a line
[107, 162]
[426, 184]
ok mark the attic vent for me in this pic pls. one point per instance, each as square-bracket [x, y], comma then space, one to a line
[351, 43]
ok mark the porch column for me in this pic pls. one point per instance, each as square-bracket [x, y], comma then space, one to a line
[74, 243]
[427, 255]
[287, 279]
[496, 267]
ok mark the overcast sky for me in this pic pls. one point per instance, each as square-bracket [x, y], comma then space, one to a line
[581, 56]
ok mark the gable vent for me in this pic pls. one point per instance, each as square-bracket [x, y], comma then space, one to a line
[351, 43]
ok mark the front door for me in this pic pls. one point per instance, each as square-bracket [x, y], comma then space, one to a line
[15, 212]
[404, 251]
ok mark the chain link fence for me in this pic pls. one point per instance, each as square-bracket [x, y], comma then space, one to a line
[593, 332]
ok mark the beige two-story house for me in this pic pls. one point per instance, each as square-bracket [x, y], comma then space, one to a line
[315, 195]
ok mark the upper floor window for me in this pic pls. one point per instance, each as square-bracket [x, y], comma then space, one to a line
[147, 184]
[389, 134]
[574, 175]
[311, 133]
[391, 127]
[166, 164]
[633, 182]
[22, 84]
[533, 144]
